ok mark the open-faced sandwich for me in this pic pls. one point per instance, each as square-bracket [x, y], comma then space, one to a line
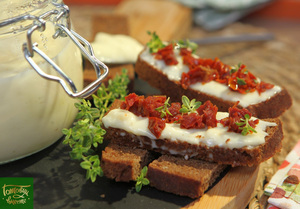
[192, 130]
[175, 70]
[190, 135]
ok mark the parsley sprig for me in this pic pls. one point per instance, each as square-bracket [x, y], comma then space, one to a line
[87, 132]
[187, 44]
[155, 43]
[189, 106]
[142, 180]
[245, 126]
[164, 109]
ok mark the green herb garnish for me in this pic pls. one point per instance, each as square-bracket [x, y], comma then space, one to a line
[245, 126]
[155, 43]
[142, 180]
[235, 68]
[189, 106]
[164, 109]
[188, 44]
[87, 133]
[240, 81]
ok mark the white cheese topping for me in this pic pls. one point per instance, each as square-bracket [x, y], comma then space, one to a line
[123, 119]
[173, 72]
[116, 48]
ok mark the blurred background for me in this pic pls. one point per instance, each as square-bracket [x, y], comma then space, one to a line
[279, 16]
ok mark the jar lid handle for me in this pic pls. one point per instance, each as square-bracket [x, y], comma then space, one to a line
[86, 49]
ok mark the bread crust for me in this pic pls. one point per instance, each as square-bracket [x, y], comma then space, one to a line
[183, 177]
[234, 157]
[167, 173]
[271, 108]
[123, 163]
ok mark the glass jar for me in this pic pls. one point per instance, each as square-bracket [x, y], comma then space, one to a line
[41, 75]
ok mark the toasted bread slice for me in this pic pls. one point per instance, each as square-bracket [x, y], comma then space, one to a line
[123, 163]
[242, 156]
[183, 177]
[271, 108]
[167, 173]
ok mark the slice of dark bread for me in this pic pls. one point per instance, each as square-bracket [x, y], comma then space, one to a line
[171, 174]
[235, 157]
[123, 163]
[271, 108]
[183, 177]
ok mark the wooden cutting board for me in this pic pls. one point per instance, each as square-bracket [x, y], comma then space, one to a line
[169, 19]
[233, 191]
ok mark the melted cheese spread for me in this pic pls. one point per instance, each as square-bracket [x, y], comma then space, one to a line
[213, 88]
[129, 122]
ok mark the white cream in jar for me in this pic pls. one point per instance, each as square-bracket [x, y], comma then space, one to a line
[35, 110]
[173, 72]
[129, 122]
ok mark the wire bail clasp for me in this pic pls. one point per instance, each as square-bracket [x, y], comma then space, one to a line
[29, 49]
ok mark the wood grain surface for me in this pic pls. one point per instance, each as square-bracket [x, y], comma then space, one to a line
[169, 19]
[233, 191]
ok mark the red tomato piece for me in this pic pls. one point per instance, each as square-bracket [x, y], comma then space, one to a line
[156, 126]
[192, 120]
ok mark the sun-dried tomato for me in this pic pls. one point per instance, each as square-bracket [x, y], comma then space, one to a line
[235, 116]
[175, 113]
[189, 60]
[156, 126]
[132, 103]
[209, 112]
[192, 120]
[141, 106]
[242, 81]
[205, 115]
[167, 54]
[185, 52]
[185, 80]
[263, 86]
[205, 70]
[151, 103]
[130, 99]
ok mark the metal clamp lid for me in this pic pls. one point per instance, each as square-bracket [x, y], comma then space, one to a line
[29, 49]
